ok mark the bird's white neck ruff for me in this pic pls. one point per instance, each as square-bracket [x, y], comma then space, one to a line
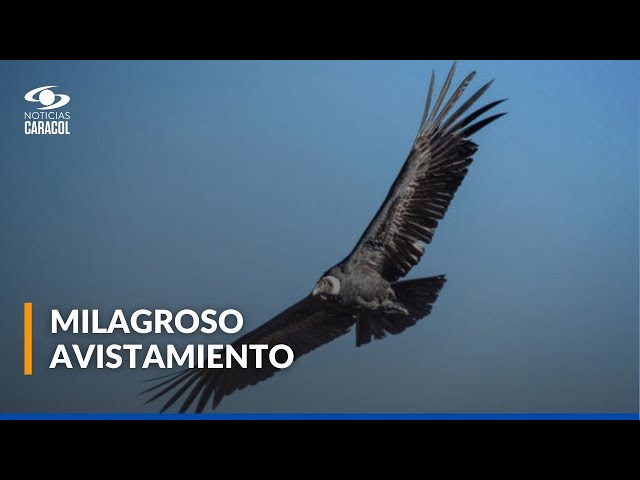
[333, 282]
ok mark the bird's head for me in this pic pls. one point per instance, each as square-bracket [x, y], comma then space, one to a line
[328, 285]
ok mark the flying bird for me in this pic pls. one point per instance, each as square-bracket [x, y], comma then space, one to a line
[365, 289]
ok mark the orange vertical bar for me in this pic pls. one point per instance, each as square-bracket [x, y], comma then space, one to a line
[28, 338]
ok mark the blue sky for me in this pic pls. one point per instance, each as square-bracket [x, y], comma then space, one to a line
[236, 184]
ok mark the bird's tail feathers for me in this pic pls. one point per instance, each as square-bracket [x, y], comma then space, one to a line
[417, 296]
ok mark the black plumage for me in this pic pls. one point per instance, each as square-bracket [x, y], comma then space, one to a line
[363, 289]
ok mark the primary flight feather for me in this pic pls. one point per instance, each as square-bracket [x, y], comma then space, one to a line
[363, 289]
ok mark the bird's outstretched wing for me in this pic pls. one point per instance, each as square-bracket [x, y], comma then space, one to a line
[304, 326]
[420, 195]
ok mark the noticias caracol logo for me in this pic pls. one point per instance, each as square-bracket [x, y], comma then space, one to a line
[43, 121]
[47, 98]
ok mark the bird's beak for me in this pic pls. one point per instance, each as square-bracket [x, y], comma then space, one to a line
[315, 291]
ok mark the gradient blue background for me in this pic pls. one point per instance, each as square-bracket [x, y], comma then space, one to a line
[235, 184]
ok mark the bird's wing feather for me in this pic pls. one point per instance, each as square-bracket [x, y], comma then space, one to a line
[304, 326]
[419, 197]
